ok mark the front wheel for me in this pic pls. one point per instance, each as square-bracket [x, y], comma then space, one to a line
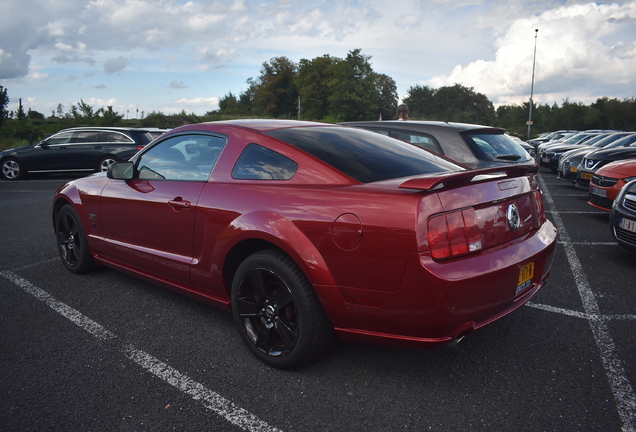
[277, 311]
[12, 169]
[71, 241]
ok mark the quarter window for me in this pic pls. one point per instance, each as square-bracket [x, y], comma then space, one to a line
[260, 163]
[114, 137]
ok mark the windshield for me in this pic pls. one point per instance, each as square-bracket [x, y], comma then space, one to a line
[595, 139]
[609, 139]
[496, 147]
[364, 155]
[623, 142]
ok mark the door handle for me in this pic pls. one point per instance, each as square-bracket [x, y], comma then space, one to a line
[178, 203]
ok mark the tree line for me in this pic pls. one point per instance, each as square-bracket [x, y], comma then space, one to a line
[333, 90]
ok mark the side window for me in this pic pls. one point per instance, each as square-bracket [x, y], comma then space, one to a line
[184, 157]
[85, 137]
[260, 163]
[422, 140]
[114, 137]
[61, 138]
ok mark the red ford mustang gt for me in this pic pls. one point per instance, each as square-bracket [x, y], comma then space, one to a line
[305, 229]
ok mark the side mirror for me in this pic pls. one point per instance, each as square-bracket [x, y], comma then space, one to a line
[121, 171]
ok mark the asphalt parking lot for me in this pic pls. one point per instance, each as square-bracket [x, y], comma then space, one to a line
[106, 351]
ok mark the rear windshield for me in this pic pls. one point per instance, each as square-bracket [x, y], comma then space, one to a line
[496, 147]
[364, 155]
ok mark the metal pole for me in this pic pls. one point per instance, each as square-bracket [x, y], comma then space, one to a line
[298, 107]
[536, 31]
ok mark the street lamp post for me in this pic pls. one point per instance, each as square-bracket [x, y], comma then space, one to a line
[536, 32]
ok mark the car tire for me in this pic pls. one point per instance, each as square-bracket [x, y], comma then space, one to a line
[277, 312]
[72, 241]
[105, 162]
[12, 169]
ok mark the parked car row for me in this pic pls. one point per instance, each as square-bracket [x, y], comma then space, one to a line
[305, 230]
[604, 164]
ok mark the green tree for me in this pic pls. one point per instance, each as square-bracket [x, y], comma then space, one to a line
[275, 93]
[108, 117]
[228, 104]
[156, 119]
[463, 104]
[20, 115]
[4, 102]
[355, 96]
[83, 113]
[421, 102]
[314, 81]
[387, 90]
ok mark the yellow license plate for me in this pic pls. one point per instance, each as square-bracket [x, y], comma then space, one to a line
[587, 176]
[525, 277]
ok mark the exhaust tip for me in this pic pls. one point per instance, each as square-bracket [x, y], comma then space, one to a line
[454, 342]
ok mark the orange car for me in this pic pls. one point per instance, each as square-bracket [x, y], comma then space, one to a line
[608, 182]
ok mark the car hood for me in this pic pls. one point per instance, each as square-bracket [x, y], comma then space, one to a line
[613, 154]
[13, 150]
[622, 167]
[579, 151]
[559, 148]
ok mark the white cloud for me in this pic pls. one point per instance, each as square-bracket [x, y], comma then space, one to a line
[584, 49]
[209, 103]
[571, 53]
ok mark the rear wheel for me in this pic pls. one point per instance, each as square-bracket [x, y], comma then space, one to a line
[12, 169]
[277, 311]
[71, 241]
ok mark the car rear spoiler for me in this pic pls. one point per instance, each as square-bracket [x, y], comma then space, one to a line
[461, 178]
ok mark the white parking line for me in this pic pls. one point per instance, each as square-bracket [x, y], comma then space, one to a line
[571, 194]
[581, 212]
[616, 375]
[211, 400]
[578, 314]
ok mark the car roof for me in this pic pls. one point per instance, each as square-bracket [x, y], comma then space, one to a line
[264, 125]
[108, 128]
[421, 124]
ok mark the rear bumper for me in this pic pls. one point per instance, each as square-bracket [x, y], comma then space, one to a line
[439, 302]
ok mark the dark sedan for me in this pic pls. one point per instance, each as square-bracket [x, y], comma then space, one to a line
[304, 229]
[475, 146]
[550, 154]
[623, 217]
[595, 160]
[569, 161]
[77, 150]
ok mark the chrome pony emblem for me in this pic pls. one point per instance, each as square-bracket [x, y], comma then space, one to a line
[514, 219]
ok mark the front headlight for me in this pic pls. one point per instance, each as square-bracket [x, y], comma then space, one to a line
[628, 179]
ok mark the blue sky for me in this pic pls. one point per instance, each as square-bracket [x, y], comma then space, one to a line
[170, 55]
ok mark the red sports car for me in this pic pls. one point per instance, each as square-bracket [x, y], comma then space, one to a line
[305, 229]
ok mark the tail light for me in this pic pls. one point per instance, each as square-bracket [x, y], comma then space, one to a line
[453, 234]
[539, 208]
[140, 146]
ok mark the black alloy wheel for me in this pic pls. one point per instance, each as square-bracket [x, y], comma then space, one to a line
[277, 311]
[71, 241]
